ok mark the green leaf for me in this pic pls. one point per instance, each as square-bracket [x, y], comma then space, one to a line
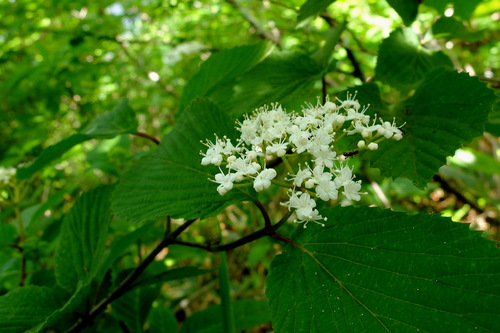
[221, 68]
[170, 275]
[446, 111]
[133, 307]
[476, 160]
[285, 77]
[462, 9]
[66, 315]
[121, 120]
[403, 62]
[162, 320]
[311, 9]
[450, 27]
[26, 307]
[120, 244]
[372, 270]
[247, 314]
[82, 242]
[50, 154]
[8, 233]
[406, 9]
[172, 181]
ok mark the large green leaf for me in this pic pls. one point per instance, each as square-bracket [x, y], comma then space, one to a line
[171, 180]
[26, 307]
[447, 110]
[450, 27]
[407, 9]
[247, 314]
[372, 270]
[284, 77]
[403, 62]
[120, 120]
[221, 68]
[83, 238]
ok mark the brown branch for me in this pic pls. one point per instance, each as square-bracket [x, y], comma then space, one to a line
[147, 136]
[124, 286]
[268, 230]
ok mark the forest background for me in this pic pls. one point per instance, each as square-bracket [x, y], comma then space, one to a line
[88, 90]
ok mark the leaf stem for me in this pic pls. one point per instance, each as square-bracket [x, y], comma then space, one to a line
[226, 304]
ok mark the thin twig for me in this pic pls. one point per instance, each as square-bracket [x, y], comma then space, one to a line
[147, 136]
[264, 34]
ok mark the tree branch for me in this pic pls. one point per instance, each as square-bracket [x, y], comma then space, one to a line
[264, 34]
[123, 287]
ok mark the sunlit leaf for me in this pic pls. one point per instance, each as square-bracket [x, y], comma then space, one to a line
[372, 270]
[285, 77]
[120, 120]
[403, 62]
[312, 8]
[447, 110]
[407, 9]
[222, 67]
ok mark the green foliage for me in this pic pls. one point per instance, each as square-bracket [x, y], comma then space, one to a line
[221, 68]
[446, 110]
[403, 62]
[105, 228]
[312, 8]
[24, 308]
[247, 314]
[408, 10]
[83, 239]
[176, 183]
[377, 271]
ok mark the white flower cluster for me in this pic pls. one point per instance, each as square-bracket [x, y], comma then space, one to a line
[269, 133]
[6, 174]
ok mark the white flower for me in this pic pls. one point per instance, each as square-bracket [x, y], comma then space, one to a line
[324, 157]
[299, 138]
[351, 190]
[344, 177]
[318, 175]
[278, 148]
[304, 207]
[243, 167]
[389, 130]
[225, 181]
[301, 176]
[372, 146]
[327, 190]
[6, 174]
[263, 179]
